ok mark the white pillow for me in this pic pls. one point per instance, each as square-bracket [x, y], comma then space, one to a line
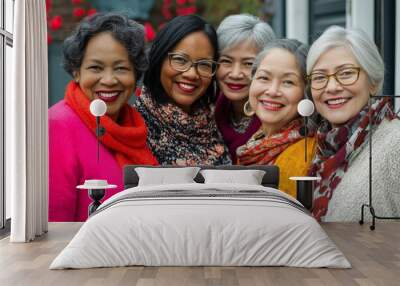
[248, 177]
[165, 176]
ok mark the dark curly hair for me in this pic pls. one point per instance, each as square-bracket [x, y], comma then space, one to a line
[126, 31]
[167, 38]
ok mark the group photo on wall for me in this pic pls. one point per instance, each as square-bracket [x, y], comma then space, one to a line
[166, 102]
[188, 142]
[224, 91]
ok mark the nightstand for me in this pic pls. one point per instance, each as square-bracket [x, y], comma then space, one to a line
[305, 190]
[96, 190]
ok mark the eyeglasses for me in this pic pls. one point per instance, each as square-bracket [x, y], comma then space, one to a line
[345, 76]
[181, 63]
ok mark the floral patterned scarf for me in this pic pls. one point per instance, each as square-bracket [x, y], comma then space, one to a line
[337, 146]
[178, 138]
[261, 150]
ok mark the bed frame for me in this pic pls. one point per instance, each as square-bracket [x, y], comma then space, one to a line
[270, 179]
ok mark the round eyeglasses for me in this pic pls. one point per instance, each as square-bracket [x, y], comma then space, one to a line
[344, 76]
[181, 63]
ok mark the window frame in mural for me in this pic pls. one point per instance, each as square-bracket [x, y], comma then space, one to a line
[6, 45]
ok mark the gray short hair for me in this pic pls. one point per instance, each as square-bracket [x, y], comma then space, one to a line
[235, 29]
[298, 49]
[126, 31]
[359, 43]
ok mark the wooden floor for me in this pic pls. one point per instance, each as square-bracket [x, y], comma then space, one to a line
[374, 255]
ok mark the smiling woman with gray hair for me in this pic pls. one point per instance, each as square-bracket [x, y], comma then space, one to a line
[279, 83]
[345, 68]
[240, 38]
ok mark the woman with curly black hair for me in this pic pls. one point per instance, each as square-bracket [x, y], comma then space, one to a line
[105, 56]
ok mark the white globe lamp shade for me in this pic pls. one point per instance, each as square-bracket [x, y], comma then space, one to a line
[305, 107]
[98, 107]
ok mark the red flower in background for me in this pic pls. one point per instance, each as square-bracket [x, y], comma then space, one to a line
[165, 9]
[149, 32]
[91, 11]
[62, 16]
[56, 23]
[49, 39]
[186, 10]
[79, 12]
[48, 6]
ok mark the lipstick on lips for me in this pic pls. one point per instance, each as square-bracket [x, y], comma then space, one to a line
[235, 86]
[271, 105]
[108, 96]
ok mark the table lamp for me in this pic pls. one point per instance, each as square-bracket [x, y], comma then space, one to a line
[97, 188]
[305, 185]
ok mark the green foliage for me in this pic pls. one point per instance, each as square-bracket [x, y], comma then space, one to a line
[215, 10]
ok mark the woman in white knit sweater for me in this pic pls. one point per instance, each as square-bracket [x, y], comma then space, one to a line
[345, 68]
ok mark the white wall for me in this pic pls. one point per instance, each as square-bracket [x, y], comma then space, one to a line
[297, 20]
[397, 58]
[360, 14]
[9, 13]
[9, 63]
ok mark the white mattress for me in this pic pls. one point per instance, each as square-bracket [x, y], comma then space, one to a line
[207, 230]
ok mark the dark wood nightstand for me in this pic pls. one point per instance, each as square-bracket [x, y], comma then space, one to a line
[305, 190]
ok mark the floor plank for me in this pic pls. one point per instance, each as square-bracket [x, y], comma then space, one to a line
[374, 255]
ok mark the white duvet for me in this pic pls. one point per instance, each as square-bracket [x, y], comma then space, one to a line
[184, 230]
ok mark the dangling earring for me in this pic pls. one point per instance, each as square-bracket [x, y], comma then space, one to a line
[215, 92]
[248, 111]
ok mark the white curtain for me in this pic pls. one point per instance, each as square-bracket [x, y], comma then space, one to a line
[26, 123]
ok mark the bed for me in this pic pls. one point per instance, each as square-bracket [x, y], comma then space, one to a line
[201, 223]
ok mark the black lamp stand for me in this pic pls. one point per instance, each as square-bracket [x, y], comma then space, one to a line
[305, 185]
[100, 131]
[369, 205]
[305, 137]
[96, 195]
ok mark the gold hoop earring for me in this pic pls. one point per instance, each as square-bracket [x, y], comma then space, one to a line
[247, 110]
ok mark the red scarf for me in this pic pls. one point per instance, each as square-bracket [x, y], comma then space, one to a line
[336, 146]
[127, 140]
[261, 150]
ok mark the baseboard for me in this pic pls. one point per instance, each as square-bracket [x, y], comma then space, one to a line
[5, 231]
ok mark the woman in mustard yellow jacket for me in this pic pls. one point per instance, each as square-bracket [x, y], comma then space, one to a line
[278, 85]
